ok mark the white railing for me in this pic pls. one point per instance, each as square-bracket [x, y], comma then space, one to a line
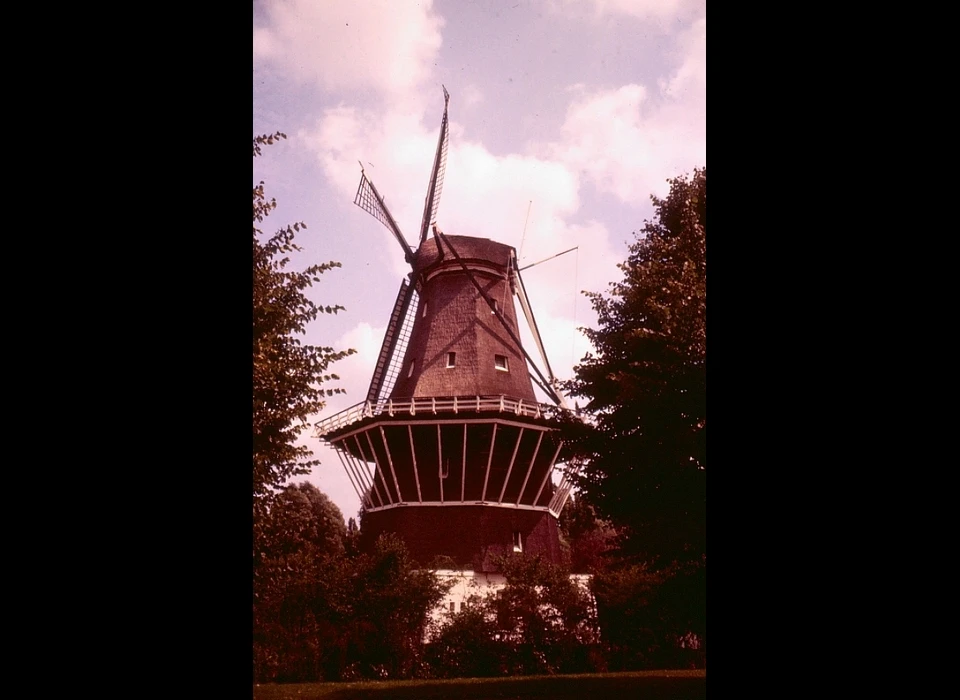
[433, 405]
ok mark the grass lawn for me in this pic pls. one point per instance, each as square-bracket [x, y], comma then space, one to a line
[645, 685]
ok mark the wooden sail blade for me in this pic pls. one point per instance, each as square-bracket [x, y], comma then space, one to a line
[370, 201]
[535, 330]
[394, 343]
[435, 186]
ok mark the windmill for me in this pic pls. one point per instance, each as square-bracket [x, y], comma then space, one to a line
[451, 448]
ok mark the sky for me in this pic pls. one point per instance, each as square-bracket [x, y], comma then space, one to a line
[565, 117]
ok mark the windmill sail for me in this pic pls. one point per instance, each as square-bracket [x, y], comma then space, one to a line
[521, 292]
[435, 186]
[394, 343]
[370, 201]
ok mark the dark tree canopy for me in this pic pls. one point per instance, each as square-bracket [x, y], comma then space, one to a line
[288, 375]
[588, 539]
[541, 621]
[644, 464]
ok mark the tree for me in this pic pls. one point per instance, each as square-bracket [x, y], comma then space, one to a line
[587, 538]
[288, 375]
[320, 609]
[645, 455]
[467, 645]
[302, 537]
[295, 528]
[546, 615]
[377, 607]
[541, 621]
[629, 616]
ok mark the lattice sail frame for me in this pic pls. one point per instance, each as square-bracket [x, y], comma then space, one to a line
[394, 345]
[435, 185]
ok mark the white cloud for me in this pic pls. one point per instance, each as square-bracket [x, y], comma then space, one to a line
[690, 79]
[472, 95]
[628, 140]
[381, 44]
[355, 371]
[657, 10]
[484, 194]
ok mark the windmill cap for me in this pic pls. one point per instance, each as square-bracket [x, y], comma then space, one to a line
[469, 248]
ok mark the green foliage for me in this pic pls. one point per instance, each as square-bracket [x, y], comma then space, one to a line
[323, 612]
[589, 540]
[385, 602]
[643, 454]
[288, 375]
[645, 460]
[542, 621]
[652, 617]
[301, 534]
[469, 645]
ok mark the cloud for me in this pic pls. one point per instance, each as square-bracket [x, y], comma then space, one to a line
[355, 371]
[484, 194]
[628, 140]
[377, 44]
[656, 10]
[472, 95]
[625, 141]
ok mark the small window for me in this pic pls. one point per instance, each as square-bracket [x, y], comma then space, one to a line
[413, 364]
[424, 310]
[453, 606]
[496, 306]
[451, 359]
[517, 542]
[500, 362]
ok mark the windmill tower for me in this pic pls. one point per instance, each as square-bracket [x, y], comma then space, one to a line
[451, 448]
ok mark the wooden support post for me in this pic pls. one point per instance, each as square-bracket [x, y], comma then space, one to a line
[549, 472]
[493, 439]
[360, 493]
[510, 468]
[393, 473]
[364, 476]
[413, 456]
[440, 462]
[463, 477]
[530, 468]
[375, 471]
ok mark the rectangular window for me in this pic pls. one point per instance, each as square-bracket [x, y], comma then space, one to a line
[500, 362]
[517, 542]
[452, 606]
[424, 310]
[451, 359]
[496, 307]
[412, 365]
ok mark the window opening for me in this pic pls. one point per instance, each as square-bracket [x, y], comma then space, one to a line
[451, 359]
[517, 542]
[412, 365]
[500, 362]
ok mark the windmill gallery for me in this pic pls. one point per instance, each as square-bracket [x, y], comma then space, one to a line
[451, 449]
